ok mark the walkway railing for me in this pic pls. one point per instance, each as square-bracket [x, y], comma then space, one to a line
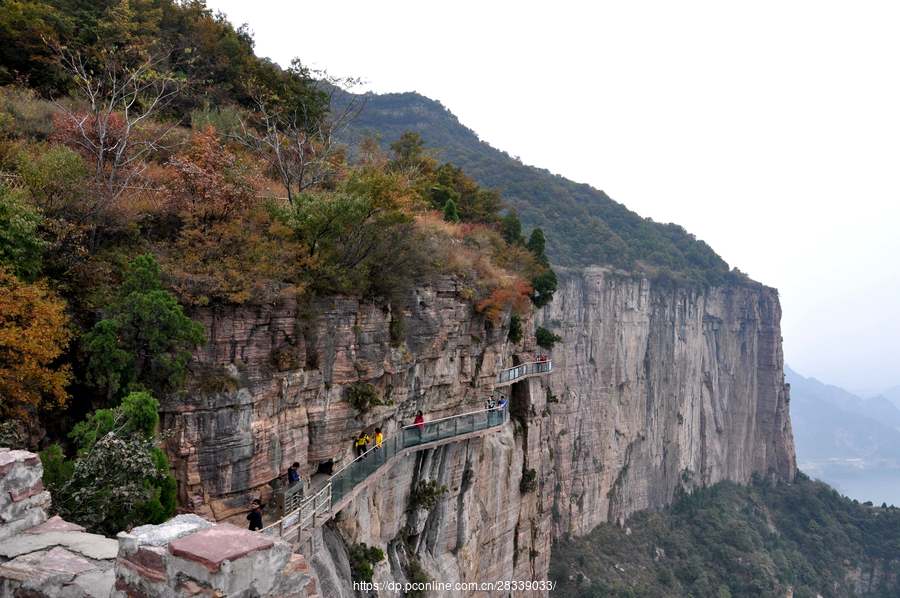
[525, 370]
[349, 477]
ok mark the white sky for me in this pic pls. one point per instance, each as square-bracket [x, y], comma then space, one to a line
[771, 130]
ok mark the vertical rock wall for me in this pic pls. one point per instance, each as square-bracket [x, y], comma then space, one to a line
[652, 390]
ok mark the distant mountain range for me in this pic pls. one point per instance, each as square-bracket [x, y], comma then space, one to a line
[853, 443]
[584, 226]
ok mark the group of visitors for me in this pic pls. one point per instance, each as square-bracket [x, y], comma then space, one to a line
[362, 441]
[498, 405]
[361, 444]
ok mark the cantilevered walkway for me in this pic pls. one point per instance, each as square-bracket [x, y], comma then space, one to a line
[304, 512]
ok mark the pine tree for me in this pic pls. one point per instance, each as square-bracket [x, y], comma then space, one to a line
[451, 214]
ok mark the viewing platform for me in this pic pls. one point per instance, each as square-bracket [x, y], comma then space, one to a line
[523, 371]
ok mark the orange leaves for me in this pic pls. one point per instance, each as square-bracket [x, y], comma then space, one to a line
[33, 333]
[210, 184]
[512, 293]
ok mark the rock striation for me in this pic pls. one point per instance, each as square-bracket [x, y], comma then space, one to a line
[654, 389]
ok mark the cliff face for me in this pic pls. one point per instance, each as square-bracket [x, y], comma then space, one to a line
[655, 389]
[652, 390]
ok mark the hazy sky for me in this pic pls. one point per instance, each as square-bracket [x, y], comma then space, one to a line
[771, 130]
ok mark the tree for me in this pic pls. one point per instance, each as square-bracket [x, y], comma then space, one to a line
[34, 331]
[298, 137]
[537, 244]
[122, 93]
[511, 228]
[474, 203]
[410, 155]
[544, 285]
[211, 183]
[357, 242]
[145, 337]
[119, 478]
[24, 25]
[21, 248]
[450, 212]
[545, 338]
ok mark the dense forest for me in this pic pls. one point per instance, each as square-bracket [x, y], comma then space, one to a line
[584, 225]
[152, 166]
[731, 540]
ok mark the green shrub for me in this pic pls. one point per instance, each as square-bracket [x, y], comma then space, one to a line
[397, 328]
[416, 574]
[363, 558]
[515, 329]
[451, 214]
[363, 396]
[145, 338]
[545, 338]
[21, 248]
[56, 178]
[119, 478]
[426, 494]
[57, 470]
[226, 120]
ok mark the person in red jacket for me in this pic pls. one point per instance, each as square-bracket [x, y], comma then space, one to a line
[419, 423]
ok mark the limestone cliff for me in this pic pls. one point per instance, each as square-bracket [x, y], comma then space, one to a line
[656, 389]
[653, 389]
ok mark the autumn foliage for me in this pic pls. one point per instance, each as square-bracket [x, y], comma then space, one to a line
[512, 293]
[211, 184]
[34, 331]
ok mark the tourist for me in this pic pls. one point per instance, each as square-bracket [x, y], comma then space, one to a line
[379, 438]
[362, 444]
[255, 515]
[293, 474]
[419, 423]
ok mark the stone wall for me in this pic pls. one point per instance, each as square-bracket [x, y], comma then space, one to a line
[185, 557]
[190, 556]
[41, 557]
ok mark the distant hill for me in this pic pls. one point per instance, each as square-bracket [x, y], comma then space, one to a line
[800, 539]
[848, 441]
[584, 225]
[893, 395]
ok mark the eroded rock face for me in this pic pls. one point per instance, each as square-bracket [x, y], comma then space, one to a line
[275, 381]
[652, 390]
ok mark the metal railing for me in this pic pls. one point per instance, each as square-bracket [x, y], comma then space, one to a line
[351, 475]
[525, 370]
[293, 496]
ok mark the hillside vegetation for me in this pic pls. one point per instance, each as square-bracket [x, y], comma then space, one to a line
[152, 166]
[753, 541]
[584, 225]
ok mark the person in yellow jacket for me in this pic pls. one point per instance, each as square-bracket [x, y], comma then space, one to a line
[362, 444]
[379, 438]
